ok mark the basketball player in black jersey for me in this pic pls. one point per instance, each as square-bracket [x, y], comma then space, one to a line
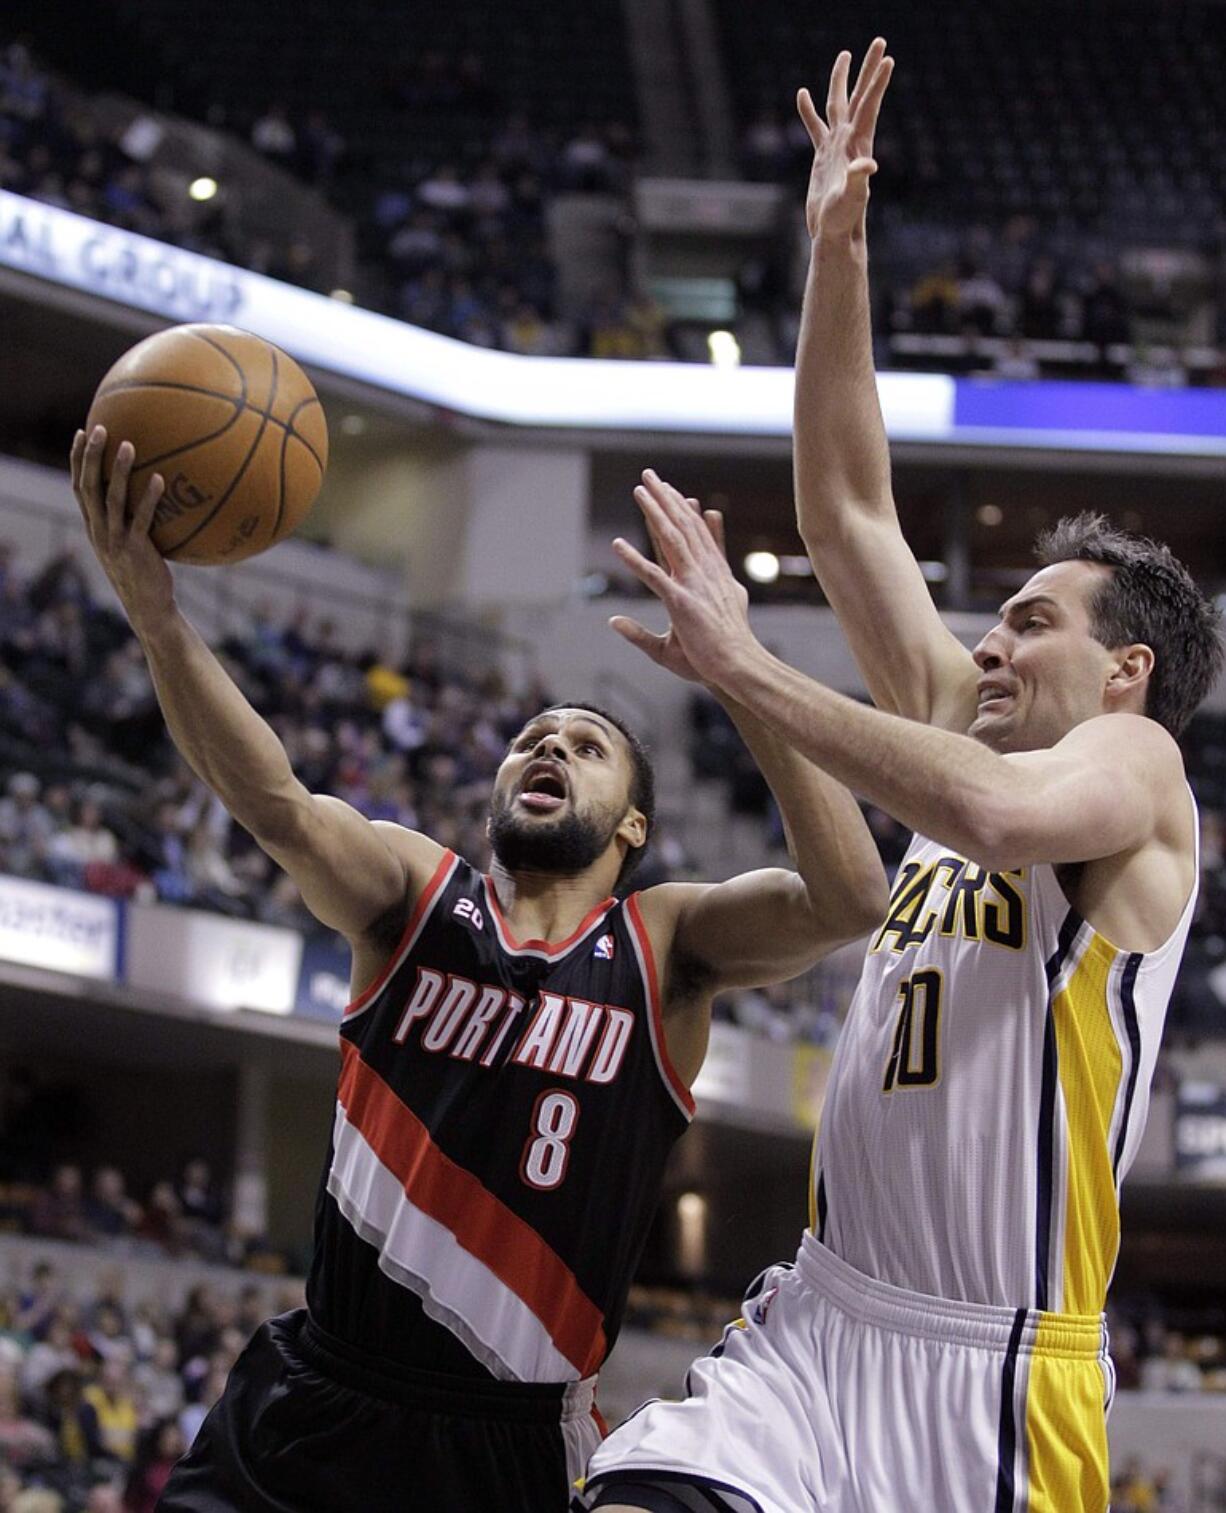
[515, 1066]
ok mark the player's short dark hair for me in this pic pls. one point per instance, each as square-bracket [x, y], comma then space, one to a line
[642, 781]
[1150, 597]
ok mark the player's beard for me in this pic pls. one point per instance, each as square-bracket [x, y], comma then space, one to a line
[567, 845]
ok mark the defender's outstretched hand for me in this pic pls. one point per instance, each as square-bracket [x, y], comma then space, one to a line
[708, 608]
[119, 530]
[666, 649]
[843, 143]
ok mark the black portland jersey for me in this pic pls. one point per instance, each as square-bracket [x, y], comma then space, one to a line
[504, 1114]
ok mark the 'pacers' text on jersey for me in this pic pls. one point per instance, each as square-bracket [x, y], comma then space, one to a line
[989, 1090]
[504, 1113]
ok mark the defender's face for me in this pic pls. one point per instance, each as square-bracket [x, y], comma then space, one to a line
[1041, 672]
[565, 761]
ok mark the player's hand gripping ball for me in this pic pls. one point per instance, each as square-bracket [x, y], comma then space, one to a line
[234, 427]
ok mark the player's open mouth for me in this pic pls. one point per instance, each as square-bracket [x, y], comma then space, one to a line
[544, 788]
[992, 694]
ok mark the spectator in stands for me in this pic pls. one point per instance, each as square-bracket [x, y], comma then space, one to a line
[196, 1412]
[935, 299]
[161, 1223]
[25, 826]
[444, 194]
[1133, 1491]
[1016, 361]
[198, 1195]
[1104, 316]
[212, 880]
[320, 149]
[416, 243]
[47, 1357]
[157, 1380]
[84, 843]
[1040, 315]
[168, 856]
[39, 1303]
[587, 164]
[489, 196]
[23, 1440]
[73, 1425]
[108, 1337]
[982, 305]
[274, 136]
[161, 1445]
[525, 332]
[1173, 1370]
[113, 1406]
[59, 1211]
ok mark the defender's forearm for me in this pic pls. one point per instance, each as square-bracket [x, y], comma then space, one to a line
[841, 455]
[826, 834]
[944, 785]
[225, 742]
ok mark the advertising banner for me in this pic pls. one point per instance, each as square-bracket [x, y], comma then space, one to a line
[1200, 1130]
[59, 929]
[209, 959]
[323, 979]
[589, 393]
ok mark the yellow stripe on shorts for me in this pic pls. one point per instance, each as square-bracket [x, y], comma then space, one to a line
[1066, 1428]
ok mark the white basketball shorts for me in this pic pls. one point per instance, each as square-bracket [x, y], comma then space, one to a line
[841, 1394]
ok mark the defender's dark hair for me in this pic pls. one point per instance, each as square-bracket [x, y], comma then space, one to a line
[642, 782]
[1149, 597]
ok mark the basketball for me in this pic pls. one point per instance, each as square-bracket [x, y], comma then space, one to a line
[234, 427]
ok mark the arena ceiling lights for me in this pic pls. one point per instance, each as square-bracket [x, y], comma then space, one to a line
[582, 393]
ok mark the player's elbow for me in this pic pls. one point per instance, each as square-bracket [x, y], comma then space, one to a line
[869, 901]
[865, 905]
[849, 911]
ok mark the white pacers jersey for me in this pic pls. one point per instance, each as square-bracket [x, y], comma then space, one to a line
[989, 1090]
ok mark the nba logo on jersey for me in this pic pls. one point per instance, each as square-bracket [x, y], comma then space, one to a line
[603, 950]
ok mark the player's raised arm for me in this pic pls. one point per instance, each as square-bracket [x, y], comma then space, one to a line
[350, 871]
[910, 662]
[771, 924]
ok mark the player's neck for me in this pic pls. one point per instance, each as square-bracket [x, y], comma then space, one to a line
[545, 905]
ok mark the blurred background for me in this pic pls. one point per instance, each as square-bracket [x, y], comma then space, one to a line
[523, 255]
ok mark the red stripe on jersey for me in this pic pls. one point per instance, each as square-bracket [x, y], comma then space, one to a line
[482, 1223]
[544, 947]
[635, 920]
[426, 898]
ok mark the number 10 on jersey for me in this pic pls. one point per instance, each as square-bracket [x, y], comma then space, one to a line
[914, 1059]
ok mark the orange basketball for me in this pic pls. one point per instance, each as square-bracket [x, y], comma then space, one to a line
[233, 426]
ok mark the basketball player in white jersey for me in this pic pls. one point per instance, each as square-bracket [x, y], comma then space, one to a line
[939, 1343]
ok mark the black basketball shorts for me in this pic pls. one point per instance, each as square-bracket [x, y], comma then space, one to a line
[308, 1425]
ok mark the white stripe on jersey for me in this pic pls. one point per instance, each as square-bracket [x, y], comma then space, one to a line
[456, 1289]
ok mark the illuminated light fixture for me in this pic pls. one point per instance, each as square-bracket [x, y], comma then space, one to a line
[692, 1233]
[762, 567]
[353, 425]
[692, 1206]
[725, 350]
[989, 514]
[343, 296]
[934, 572]
[203, 188]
